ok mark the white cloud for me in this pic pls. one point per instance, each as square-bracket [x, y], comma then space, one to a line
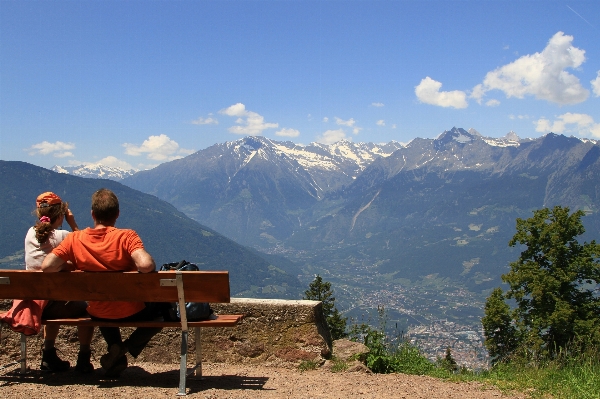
[332, 136]
[65, 154]
[288, 133]
[158, 148]
[542, 75]
[581, 124]
[74, 162]
[238, 109]
[350, 122]
[380, 122]
[325, 119]
[492, 103]
[394, 126]
[477, 93]
[205, 121]
[377, 104]
[58, 149]
[511, 116]
[114, 162]
[248, 122]
[428, 92]
[596, 85]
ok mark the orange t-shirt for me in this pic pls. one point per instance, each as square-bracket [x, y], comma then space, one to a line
[101, 250]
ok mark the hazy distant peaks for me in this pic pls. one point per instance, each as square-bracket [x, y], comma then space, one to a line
[97, 171]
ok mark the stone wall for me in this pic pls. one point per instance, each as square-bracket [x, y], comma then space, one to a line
[273, 332]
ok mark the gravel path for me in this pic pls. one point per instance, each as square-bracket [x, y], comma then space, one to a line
[149, 380]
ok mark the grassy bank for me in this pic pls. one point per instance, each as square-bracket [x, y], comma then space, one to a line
[573, 376]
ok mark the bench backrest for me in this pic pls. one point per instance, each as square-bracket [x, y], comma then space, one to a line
[202, 286]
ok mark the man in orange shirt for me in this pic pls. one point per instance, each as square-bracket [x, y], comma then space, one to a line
[106, 248]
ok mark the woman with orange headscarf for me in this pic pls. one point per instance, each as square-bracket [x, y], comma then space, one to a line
[40, 240]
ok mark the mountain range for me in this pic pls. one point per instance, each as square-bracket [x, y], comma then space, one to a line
[442, 208]
[95, 171]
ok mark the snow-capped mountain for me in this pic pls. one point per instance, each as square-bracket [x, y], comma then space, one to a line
[262, 192]
[96, 171]
[260, 183]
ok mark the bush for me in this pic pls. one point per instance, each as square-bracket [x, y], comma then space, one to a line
[388, 355]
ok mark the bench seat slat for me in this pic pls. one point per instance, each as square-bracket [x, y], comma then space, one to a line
[220, 321]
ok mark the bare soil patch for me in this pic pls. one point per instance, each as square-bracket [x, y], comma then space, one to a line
[151, 380]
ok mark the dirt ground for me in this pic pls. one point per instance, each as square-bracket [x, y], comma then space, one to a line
[150, 380]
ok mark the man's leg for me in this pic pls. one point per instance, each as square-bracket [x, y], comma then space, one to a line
[111, 335]
[138, 339]
[115, 360]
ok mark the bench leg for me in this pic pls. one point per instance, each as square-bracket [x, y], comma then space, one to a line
[183, 363]
[198, 368]
[23, 353]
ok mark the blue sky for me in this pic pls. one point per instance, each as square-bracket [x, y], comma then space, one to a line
[138, 83]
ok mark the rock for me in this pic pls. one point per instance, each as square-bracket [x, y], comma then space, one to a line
[357, 366]
[346, 350]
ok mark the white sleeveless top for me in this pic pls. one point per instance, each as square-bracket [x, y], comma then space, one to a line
[36, 252]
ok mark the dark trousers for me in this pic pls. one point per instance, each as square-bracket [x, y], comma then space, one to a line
[138, 339]
[64, 310]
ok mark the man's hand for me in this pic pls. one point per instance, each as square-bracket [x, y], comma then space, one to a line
[52, 263]
[143, 261]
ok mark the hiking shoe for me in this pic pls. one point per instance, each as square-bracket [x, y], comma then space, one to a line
[115, 353]
[51, 361]
[84, 365]
[116, 370]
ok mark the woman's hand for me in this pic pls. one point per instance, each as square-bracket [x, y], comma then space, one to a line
[70, 218]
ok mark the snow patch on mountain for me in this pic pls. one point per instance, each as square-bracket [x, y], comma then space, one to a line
[95, 171]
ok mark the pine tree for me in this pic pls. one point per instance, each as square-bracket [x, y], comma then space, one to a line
[449, 361]
[498, 329]
[320, 290]
[553, 284]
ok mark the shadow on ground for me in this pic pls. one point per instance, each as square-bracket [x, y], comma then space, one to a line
[135, 376]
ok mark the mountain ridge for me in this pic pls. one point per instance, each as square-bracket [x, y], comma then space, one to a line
[96, 170]
[394, 202]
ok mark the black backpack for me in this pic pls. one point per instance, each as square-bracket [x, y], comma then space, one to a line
[195, 311]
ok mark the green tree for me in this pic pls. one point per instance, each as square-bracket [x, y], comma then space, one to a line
[449, 363]
[498, 328]
[554, 285]
[320, 290]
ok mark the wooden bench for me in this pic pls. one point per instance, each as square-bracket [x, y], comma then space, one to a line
[172, 286]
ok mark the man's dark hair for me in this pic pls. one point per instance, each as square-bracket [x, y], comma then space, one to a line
[105, 206]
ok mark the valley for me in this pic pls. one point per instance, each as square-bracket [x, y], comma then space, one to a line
[433, 312]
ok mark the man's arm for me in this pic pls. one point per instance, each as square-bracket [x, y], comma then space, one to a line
[52, 263]
[143, 261]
